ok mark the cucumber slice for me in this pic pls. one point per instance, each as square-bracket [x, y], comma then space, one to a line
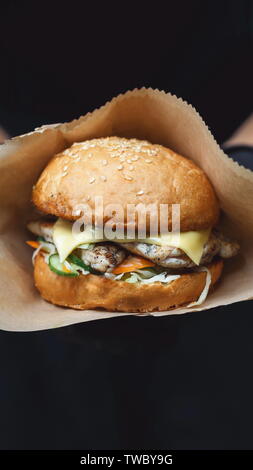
[79, 262]
[41, 239]
[76, 260]
[57, 267]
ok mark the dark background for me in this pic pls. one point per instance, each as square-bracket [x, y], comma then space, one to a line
[174, 382]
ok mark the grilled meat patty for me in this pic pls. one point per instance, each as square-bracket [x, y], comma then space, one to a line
[42, 228]
[105, 256]
[102, 257]
[170, 257]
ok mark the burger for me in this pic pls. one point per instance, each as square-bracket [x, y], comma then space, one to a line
[81, 263]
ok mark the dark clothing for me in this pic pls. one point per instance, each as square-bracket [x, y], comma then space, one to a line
[173, 382]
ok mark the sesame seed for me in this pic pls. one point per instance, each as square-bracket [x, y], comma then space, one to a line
[104, 162]
[65, 167]
[140, 193]
[127, 177]
[120, 167]
[131, 167]
[148, 161]
[103, 178]
[64, 173]
[92, 180]
[119, 147]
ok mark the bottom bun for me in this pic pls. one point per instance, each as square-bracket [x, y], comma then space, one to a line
[92, 291]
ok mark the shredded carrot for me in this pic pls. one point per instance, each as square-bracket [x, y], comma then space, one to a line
[33, 243]
[66, 270]
[131, 263]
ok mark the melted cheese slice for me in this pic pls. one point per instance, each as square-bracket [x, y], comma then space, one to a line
[66, 241]
[192, 243]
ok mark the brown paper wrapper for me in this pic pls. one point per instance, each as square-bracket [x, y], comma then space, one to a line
[145, 114]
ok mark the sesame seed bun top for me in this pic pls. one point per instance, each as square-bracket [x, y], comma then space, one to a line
[126, 171]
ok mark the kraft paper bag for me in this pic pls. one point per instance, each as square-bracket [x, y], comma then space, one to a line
[148, 114]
